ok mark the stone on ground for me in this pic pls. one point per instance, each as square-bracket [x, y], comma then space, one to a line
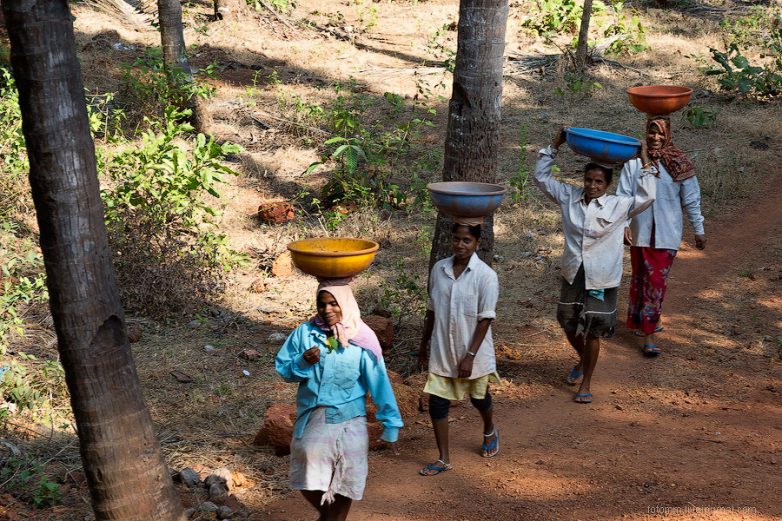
[277, 429]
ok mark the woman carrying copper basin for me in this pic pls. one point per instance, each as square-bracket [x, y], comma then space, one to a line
[655, 235]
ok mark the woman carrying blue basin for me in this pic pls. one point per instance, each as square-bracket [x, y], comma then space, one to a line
[593, 223]
[655, 235]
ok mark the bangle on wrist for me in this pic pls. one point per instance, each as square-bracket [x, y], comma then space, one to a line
[471, 354]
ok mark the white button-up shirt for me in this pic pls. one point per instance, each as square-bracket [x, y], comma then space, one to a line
[666, 212]
[594, 232]
[458, 305]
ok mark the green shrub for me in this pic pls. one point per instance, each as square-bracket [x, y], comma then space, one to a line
[700, 117]
[550, 18]
[23, 280]
[629, 34]
[753, 28]
[26, 478]
[151, 89]
[13, 153]
[557, 17]
[736, 74]
[167, 252]
[362, 155]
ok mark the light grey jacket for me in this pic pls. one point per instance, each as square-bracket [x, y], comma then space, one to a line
[666, 211]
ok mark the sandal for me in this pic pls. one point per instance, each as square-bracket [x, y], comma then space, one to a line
[574, 376]
[651, 350]
[492, 448]
[638, 332]
[433, 469]
[583, 398]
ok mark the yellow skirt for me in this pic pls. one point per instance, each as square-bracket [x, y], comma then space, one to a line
[457, 388]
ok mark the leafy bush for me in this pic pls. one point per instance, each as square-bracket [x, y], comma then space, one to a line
[628, 34]
[363, 155]
[13, 153]
[557, 17]
[30, 484]
[23, 280]
[752, 29]
[152, 89]
[167, 251]
[700, 117]
[736, 74]
[578, 83]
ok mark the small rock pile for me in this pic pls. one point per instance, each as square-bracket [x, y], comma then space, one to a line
[212, 497]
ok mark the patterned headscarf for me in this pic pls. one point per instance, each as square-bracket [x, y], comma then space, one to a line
[351, 328]
[676, 162]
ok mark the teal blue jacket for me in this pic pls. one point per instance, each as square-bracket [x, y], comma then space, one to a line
[340, 382]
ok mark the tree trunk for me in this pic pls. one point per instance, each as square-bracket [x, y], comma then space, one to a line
[583, 36]
[125, 470]
[175, 60]
[473, 137]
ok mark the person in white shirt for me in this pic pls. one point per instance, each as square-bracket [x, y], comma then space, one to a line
[463, 293]
[593, 223]
[655, 235]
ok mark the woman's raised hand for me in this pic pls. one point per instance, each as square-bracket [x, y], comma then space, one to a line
[644, 154]
[312, 355]
[559, 138]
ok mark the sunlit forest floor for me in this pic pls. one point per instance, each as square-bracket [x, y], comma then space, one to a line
[697, 428]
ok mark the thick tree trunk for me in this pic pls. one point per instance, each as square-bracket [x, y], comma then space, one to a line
[583, 36]
[473, 137]
[175, 59]
[125, 470]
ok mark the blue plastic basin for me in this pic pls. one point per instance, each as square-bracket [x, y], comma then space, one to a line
[603, 147]
[466, 199]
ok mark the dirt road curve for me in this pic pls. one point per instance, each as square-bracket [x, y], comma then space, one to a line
[696, 434]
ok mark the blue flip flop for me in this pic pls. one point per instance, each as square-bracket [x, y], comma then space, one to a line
[574, 375]
[433, 469]
[583, 398]
[488, 447]
[651, 350]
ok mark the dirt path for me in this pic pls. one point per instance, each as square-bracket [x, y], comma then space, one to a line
[692, 435]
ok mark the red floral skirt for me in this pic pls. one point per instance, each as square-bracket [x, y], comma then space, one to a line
[651, 267]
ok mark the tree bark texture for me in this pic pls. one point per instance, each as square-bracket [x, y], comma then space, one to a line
[175, 59]
[583, 36]
[125, 470]
[473, 137]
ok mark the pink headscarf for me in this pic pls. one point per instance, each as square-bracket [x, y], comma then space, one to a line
[351, 327]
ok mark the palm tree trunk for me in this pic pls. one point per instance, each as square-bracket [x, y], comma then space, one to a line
[125, 470]
[473, 137]
[176, 62]
[583, 36]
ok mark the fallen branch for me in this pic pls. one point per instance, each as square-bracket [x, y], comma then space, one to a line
[276, 15]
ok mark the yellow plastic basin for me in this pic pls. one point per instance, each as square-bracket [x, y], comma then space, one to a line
[333, 258]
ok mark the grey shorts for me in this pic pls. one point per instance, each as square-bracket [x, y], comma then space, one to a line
[583, 312]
